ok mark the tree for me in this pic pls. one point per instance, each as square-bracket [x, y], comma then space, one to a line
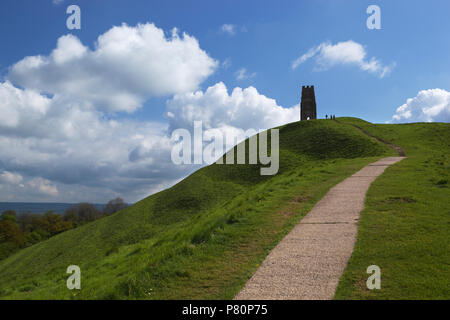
[28, 221]
[38, 227]
[71, 214]
[11, 238]
[10, 232]
[82, 213]
[9, 215]
[114, 205]
[53, 223]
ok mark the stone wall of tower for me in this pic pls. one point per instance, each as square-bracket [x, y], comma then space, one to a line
[308, 109]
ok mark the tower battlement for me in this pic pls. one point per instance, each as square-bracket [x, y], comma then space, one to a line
[308, 108]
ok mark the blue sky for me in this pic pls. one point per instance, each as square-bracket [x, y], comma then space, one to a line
[414, 35]
[256, 39]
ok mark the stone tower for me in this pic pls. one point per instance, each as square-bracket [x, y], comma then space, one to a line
[308, 104]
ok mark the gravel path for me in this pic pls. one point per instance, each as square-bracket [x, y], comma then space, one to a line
[309, 261]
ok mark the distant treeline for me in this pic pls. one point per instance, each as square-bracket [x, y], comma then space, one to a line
[26, 229]
[40, 207]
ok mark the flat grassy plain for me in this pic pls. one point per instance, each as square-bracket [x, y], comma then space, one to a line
[204, 237]
[405, 226]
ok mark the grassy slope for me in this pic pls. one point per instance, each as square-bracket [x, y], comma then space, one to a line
[202, 238]
[405, 226]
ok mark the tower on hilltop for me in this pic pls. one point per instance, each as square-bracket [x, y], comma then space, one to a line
[308, 104]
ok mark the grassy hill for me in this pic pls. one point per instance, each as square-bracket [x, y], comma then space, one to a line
[405, 226]
[204, 237]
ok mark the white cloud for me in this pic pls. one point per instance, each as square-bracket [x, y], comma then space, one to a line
[432, 105]
[84, 154]
[59, 139]
[243, 74]
[243, 108]
[127, 66]
[228, 28]
[10, 177]
[15, 102]
[43, 186]
[70, 151]
[348, 52]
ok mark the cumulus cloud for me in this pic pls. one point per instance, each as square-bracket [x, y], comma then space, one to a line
[228, 28]
[57, 132]
[127, 66]
[243, 108]
[432, 105]
[43, 186]
[10, 177]
[12, 181]
[61, 140]
[348, 52]
[66, 149]
[15, 102]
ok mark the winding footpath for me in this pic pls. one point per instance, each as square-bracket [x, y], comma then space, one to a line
[309, 261]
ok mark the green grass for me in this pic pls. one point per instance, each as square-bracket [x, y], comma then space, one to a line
[405, 226]
[204, 237]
